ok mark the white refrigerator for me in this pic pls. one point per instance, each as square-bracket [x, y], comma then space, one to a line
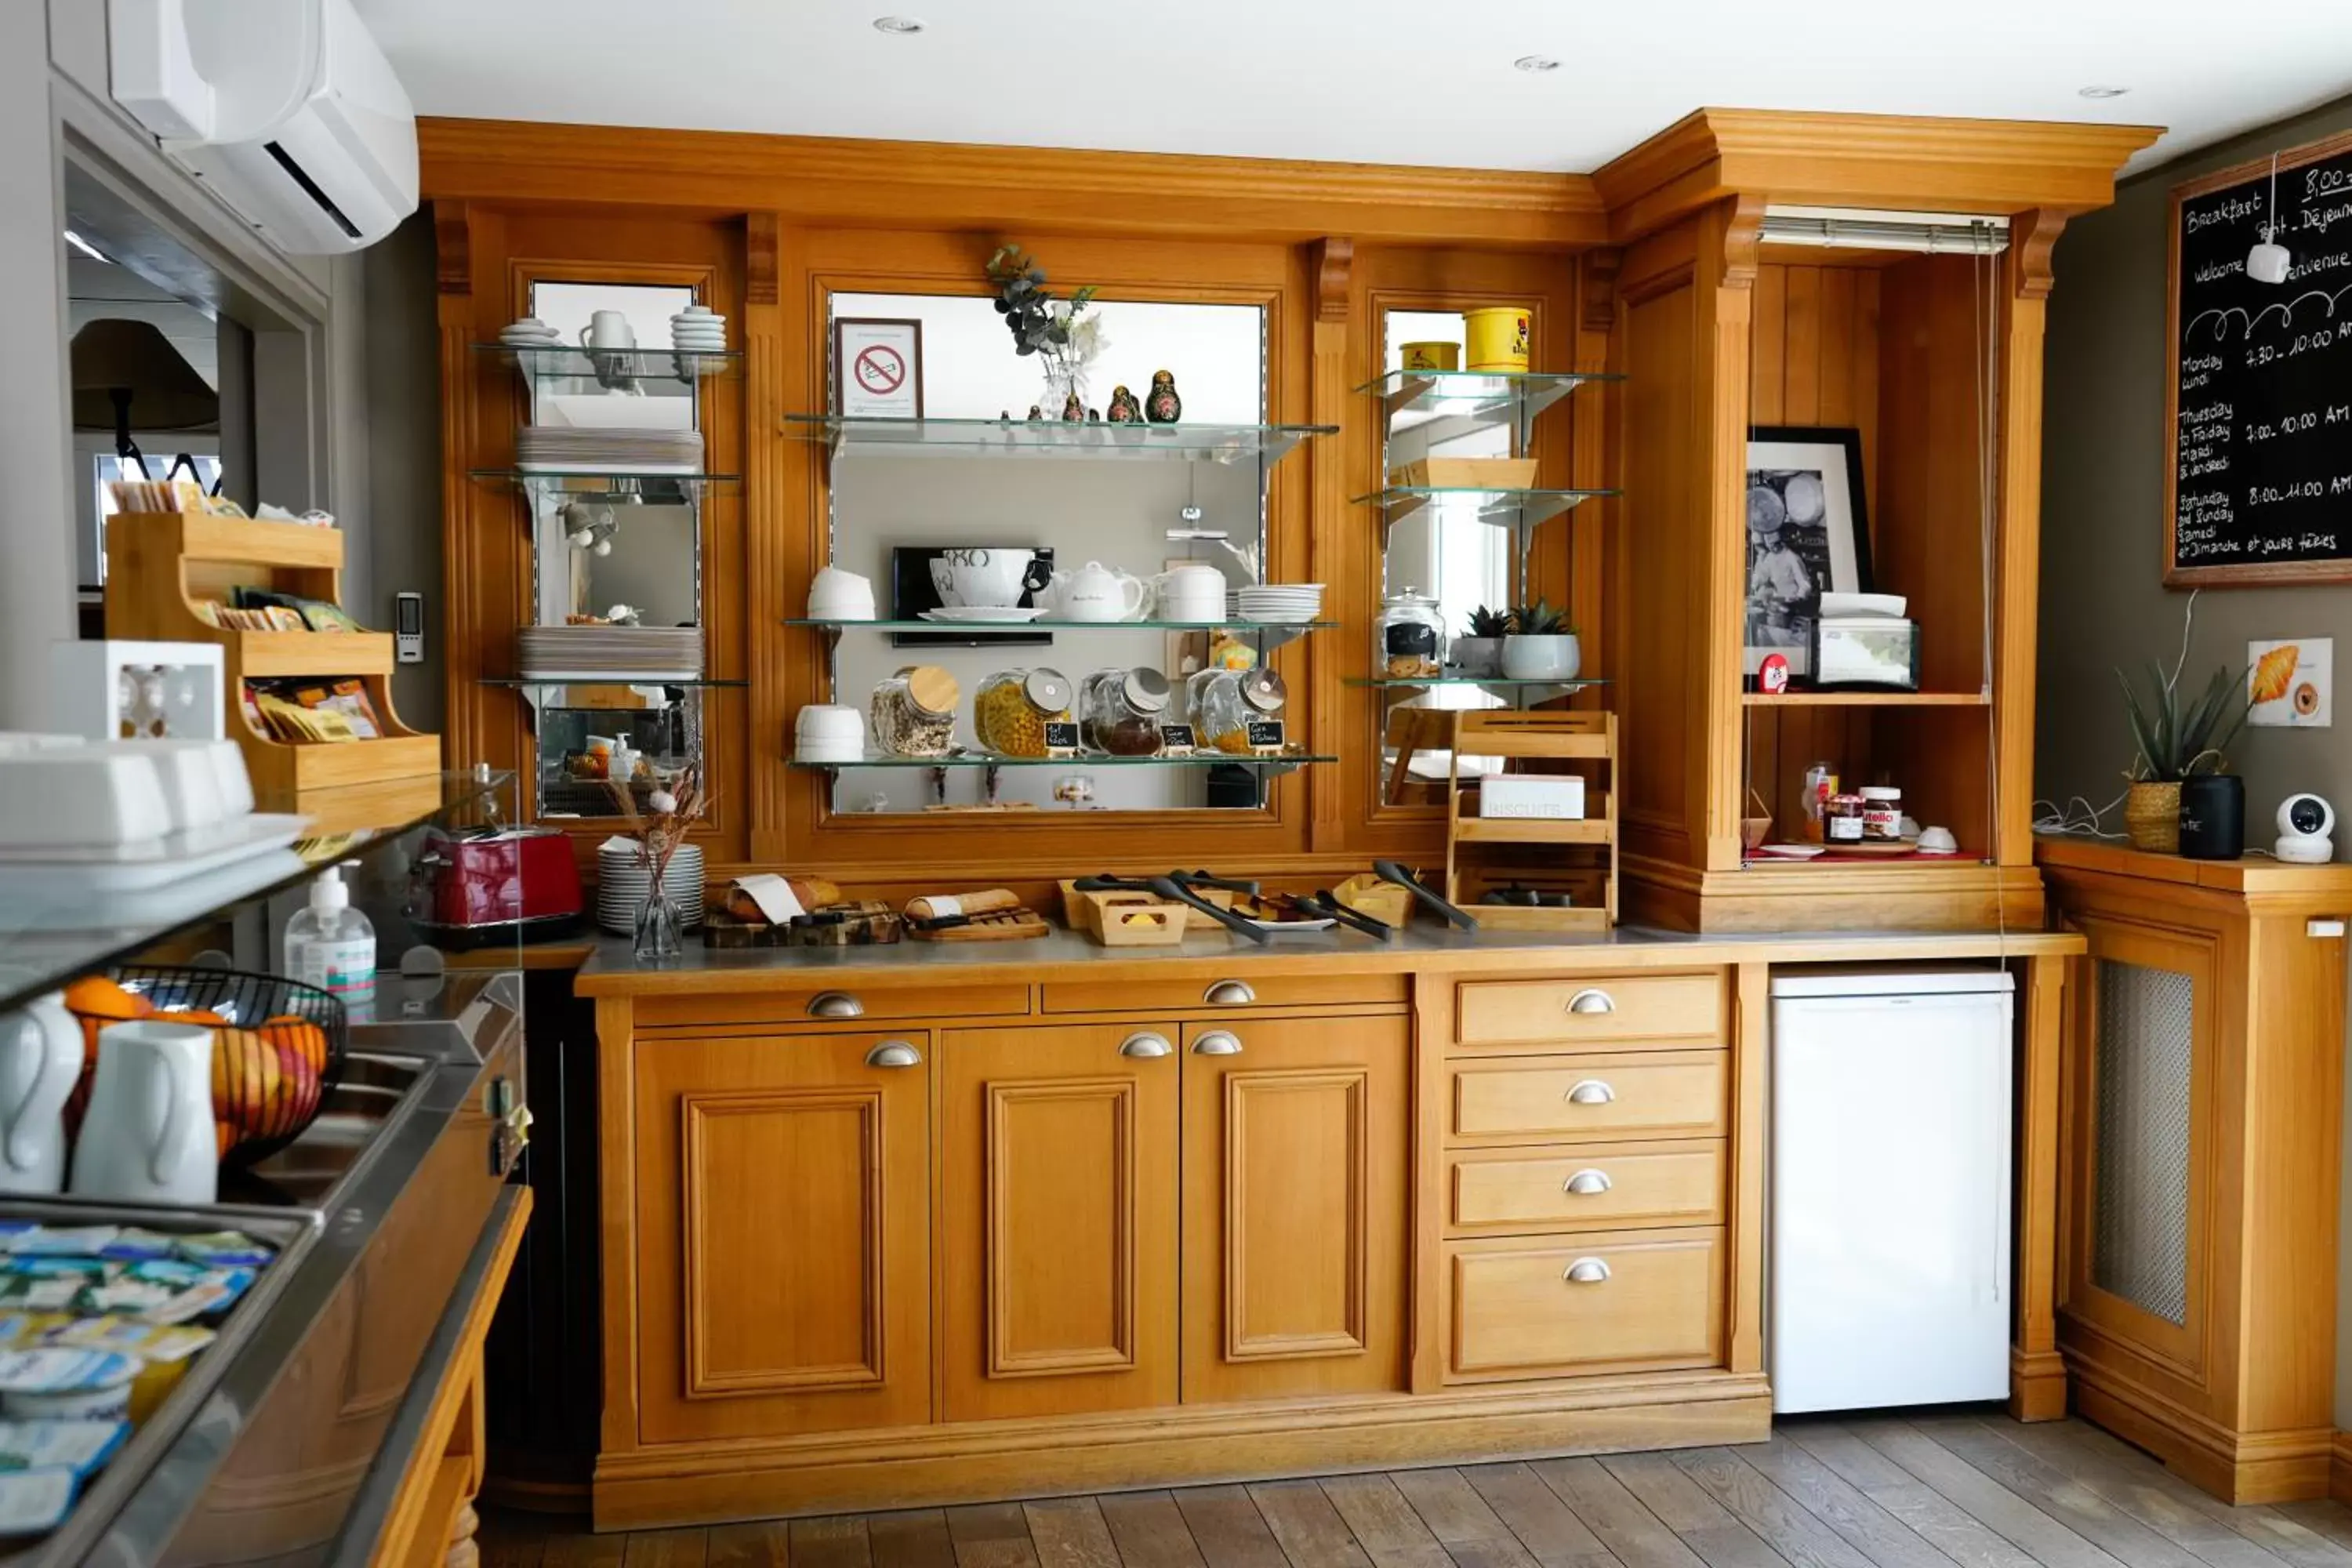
[1889, 1270]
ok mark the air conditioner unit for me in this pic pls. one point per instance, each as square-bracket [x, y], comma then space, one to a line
[285, 109]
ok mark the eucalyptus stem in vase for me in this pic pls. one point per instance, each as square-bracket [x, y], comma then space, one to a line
[657, 831]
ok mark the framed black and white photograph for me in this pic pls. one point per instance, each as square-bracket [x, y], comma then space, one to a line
[1808, 534]
[878, 368]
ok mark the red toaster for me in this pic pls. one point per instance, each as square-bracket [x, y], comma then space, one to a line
[496, 884]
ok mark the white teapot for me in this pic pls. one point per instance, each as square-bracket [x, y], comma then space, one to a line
[1096, 593]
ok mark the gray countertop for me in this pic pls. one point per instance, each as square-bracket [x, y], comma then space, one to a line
[611, 970]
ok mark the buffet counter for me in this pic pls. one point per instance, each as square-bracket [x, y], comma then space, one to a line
[926, 1223]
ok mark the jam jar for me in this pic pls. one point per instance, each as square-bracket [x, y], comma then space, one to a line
[1012, 707]
[913, 711]
[1120, 710]
[1409, 638]
[1225, 702]
[1841, 819]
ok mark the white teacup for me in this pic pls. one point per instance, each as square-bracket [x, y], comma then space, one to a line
[608, 329]
[838, 595]
[1192, 592]
[991, 577]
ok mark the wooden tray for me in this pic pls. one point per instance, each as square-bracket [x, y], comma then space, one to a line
[997, 925]
[870, 923]
[1123, 918]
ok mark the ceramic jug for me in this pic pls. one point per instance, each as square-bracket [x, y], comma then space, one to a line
[147, 1135]
[1096, 592]
[40, 1060]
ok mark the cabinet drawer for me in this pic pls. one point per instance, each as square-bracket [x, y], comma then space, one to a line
[1612, 1184]
[818, 1002]
[1597, 1007]
[1218, 994]
[1595, 1302]
[1653, 1094]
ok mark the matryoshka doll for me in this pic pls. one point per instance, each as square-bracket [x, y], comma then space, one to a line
[1160, 404]
[1122, 409]
[1072, 411]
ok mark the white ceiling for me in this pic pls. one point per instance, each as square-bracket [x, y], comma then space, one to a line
[1401, 81]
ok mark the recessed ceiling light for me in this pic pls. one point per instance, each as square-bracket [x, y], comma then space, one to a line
[87, 248]
[1537, 63]
[900, 25]
[2097, 91]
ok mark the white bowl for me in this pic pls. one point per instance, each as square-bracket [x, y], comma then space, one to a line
[81, 795]
[829, 721]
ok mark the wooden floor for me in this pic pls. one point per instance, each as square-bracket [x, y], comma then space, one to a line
[1961, 1491]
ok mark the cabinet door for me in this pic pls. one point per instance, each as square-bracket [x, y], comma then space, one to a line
[784, 1277]
[1057, 1204]
[2138, 1205]
[1294, 1174]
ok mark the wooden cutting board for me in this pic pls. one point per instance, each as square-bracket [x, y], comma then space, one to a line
[997, 925]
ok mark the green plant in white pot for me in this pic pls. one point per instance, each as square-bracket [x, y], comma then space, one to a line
[1541, 644]
[2172, 745]
[1480, 652]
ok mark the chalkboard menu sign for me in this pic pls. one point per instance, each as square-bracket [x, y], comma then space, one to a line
[2260, 390]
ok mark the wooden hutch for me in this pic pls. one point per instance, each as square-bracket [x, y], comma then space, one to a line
[944, 1333]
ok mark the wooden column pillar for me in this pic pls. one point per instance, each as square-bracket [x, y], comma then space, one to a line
[2018, 571]
[461, 654]
[769, 646]
[1331, 271]
[1728, 239]
[2037, 1377]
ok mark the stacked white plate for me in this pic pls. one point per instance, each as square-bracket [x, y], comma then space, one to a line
[622, 884]
[552, 653]
[531, 332]
[1283, 601]
[698, 329]
[590, 449]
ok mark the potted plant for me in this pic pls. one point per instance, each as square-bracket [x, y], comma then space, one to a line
[1541, 645]
[2173, 745]
[1481, 652]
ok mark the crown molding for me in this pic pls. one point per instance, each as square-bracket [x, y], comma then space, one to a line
[2003, 166]
[819, 180]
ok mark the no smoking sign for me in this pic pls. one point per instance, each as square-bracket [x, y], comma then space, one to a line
[880, 369]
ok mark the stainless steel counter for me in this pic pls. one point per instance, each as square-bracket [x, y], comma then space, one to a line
[286, 1441]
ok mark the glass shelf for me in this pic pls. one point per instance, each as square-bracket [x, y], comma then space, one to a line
[54, 926]
[984, 628]
[1495, 393]
[1389, 681]
[604, 482]
[1519, 508]
[1084, 760]
[609, 365]
[848, 436]
[608, 679]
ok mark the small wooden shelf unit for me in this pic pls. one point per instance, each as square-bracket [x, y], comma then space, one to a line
[1552, 855]
[159, 564]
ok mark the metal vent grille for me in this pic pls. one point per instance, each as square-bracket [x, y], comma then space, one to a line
[2140, 1241]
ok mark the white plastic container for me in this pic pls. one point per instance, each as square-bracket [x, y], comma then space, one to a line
[331, 945]
[1527, 795]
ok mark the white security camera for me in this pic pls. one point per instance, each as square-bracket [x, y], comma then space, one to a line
[2305, 822]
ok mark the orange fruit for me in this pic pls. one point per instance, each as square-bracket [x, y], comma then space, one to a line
[302, 1036]
[197, 1015]
[95, 997]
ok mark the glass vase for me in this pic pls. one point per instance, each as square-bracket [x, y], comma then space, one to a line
[658, 928]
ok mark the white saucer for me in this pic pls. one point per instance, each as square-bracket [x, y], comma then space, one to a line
[999, 613]
[1791, 851]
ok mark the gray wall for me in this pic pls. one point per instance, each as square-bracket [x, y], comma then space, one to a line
[2103, 599]
[401, 392]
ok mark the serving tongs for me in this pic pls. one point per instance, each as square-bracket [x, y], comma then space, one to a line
[1452, 913]
[1172, 889]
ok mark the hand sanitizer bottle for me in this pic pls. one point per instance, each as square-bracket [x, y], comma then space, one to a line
[331, 945]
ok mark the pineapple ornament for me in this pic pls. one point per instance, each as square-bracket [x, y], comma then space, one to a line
[1122, 410]
[1160, 404]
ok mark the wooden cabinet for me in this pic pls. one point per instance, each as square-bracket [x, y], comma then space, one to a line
[1295, 1163]
[782, 1247]
[2203, 1086]
[1058, 1215]
[1613, 1301]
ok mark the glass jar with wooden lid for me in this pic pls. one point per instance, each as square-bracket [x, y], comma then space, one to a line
[913, 711]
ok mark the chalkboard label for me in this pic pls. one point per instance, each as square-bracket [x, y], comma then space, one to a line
[1265, 734]
[1177, 739]
[2260, 487]
[1061, 739]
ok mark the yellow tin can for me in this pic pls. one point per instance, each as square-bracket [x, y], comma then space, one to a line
[1498, 337]
[1433, 355]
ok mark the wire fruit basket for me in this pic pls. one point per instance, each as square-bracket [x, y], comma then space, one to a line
[278, 1046]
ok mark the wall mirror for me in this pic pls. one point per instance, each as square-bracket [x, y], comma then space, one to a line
[1132, 508]
[619, 541]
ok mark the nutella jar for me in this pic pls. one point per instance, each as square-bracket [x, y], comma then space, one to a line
[1882, 814]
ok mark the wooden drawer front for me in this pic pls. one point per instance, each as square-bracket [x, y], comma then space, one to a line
[1654, 1094]
[1644, 1301]
[1612, 1184]
[1224, 993]
[819, 1004]
[1600, 1008]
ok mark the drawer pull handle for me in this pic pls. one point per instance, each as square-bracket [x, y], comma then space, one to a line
[1592, 999]
[1145, 1044]
[1584, 1183]
[836, 1004]
[894, 1054]
[1587, 1272]
[1218, 1042]
[1229, 993]
[1590, 1091]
